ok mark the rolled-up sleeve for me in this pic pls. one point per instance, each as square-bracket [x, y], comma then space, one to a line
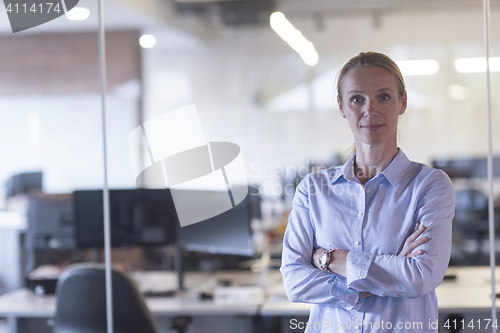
[390, 275]
[303, 282]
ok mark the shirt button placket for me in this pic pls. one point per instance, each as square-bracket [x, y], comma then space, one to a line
[359, 320]
[358, 230]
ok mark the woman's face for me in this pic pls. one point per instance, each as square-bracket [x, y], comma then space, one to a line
[371, 103]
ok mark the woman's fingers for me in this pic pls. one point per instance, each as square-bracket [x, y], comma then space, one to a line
[412, 242]
[414, 254]
[413, 245]
[415, 234]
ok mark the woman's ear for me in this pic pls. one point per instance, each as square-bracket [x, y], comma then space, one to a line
[339, 102]
[404, 103]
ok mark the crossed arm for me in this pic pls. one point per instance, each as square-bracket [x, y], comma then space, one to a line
[338, 258]
[417, 270]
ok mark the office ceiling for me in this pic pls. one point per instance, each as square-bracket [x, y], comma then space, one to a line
[240, 12]
[330, 7]
[203, 18]
[342, 7]
[189, 21]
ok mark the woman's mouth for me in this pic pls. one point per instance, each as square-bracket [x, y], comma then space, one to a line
[372, 127]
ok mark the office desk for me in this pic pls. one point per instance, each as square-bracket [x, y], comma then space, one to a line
[468, 293]
[23, 303]
[471, 291]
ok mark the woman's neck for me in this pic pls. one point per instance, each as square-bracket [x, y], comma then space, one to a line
[372, 160]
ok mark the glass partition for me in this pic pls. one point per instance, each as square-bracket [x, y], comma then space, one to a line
[273, 97]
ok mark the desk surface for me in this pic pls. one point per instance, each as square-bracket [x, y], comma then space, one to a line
[471, 290]
[25, 304]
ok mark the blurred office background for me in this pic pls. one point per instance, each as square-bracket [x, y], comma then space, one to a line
[250, 88]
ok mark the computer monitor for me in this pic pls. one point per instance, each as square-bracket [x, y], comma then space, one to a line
[22, 183]
[50, 222]
[227, 233]
[467, 167]
[138, 217]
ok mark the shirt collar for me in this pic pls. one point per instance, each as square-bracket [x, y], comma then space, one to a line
[393, 173]
[346, 170]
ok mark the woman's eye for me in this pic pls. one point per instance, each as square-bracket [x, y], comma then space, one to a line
[384, 97]
[356, 99]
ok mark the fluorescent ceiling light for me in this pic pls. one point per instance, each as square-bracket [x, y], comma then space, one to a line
[476, 65]
[78, 14]
[418, 67]
[147, 41]
[294, 38]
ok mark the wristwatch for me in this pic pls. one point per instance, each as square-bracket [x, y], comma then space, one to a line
[324, 260]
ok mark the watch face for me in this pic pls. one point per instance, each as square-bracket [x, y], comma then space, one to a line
[322, 259]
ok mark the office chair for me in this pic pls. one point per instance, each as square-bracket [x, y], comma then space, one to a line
[81, 302]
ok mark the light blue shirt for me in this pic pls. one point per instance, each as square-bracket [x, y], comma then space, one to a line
[331, 209]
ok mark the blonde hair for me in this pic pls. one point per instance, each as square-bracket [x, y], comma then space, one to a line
[369, 59]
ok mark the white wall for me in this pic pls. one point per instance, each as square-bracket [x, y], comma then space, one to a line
[61, 135]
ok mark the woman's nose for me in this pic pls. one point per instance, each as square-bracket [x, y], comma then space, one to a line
[371, 108]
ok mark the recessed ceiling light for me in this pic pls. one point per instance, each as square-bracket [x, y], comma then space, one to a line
[147, 41]
[418, 67]
[294, 38]
[78, 14]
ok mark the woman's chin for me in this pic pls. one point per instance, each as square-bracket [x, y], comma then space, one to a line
[375, 142]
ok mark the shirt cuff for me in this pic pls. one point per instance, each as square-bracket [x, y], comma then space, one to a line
[357, 265]
[339, 290]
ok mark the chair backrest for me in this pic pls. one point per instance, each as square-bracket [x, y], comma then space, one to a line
[81, 302]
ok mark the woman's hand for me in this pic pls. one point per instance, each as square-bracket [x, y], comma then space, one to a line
[315, 257]
[412, 242]
[338, 259]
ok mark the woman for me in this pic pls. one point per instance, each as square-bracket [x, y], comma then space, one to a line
[369, 241]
